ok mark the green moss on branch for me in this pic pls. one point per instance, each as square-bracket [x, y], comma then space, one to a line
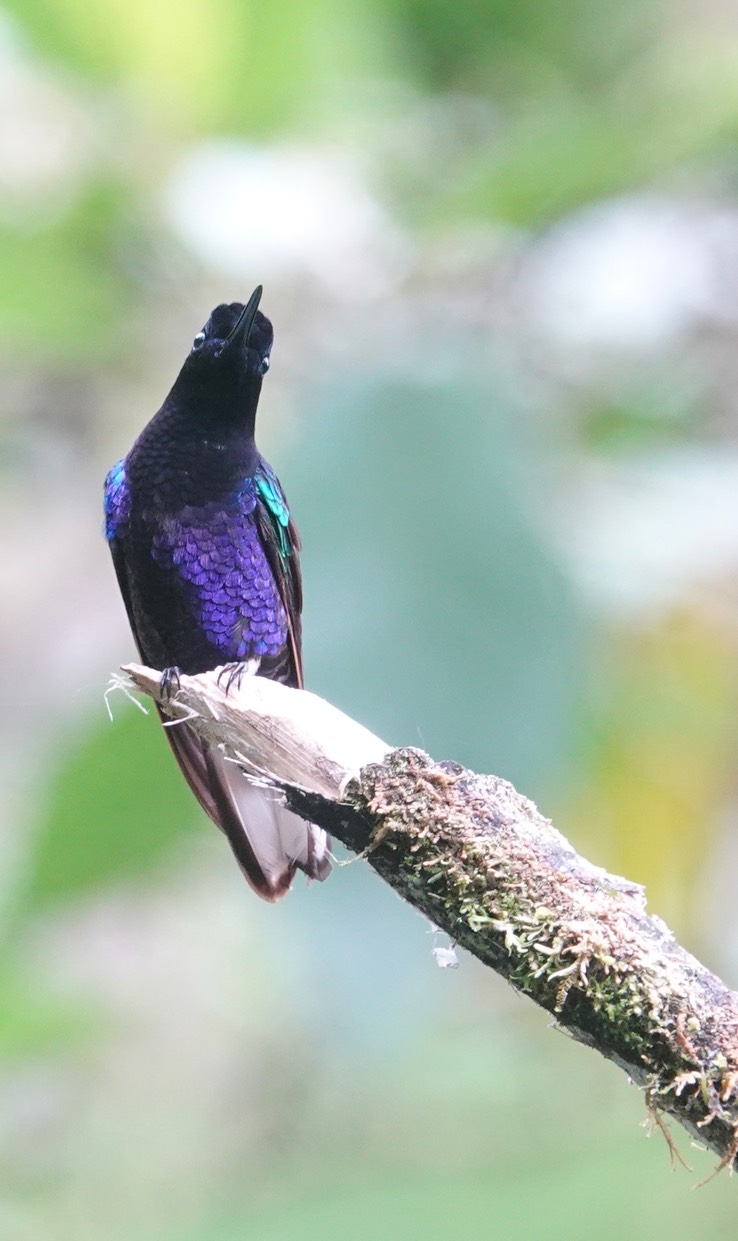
[479, 860]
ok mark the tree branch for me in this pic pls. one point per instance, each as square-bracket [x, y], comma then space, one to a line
[478, 859]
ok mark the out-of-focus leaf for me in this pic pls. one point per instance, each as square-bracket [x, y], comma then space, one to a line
[62, 289]
[660, 757]
[552, 157]
[454, 43]
[117, 805]
[212, 64]
[34, 1022]
[434, 610]
[623, 426]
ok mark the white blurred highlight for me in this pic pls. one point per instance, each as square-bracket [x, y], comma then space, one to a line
[283, 211]
[633, 273]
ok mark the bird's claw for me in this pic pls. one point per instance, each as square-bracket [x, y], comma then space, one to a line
[232, 673]
[169, 683]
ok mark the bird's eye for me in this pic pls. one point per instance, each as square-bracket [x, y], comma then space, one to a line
[199, 341]
[264, 366]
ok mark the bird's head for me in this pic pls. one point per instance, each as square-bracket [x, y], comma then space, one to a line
[220, 381]
[236, 338]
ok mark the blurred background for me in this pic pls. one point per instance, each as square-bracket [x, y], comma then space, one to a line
[499, 244]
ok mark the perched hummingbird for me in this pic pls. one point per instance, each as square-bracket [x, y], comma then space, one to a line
[206, 554]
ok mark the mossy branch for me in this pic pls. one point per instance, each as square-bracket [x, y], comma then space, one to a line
[479, 860]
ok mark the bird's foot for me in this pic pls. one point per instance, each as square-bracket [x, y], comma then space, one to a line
[169, 683]
[233, 674]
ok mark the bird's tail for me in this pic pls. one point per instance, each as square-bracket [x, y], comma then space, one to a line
[269, 841]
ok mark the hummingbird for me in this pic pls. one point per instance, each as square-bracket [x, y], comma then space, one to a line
[207, 559]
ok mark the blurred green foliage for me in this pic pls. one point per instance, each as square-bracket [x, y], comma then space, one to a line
[116, 807]
[65, 287]
[215, 65]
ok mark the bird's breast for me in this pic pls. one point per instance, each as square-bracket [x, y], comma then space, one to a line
[215, 554]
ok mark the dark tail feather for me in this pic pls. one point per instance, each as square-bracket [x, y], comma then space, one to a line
[189, 752]
[269, 842]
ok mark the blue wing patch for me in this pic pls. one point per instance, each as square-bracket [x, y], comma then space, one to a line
[117, 500]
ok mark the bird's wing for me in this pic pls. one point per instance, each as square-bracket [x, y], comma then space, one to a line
[269, 841]
[281, 543]
[116, 506]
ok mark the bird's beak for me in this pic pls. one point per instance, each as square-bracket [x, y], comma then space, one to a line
[245, 321]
